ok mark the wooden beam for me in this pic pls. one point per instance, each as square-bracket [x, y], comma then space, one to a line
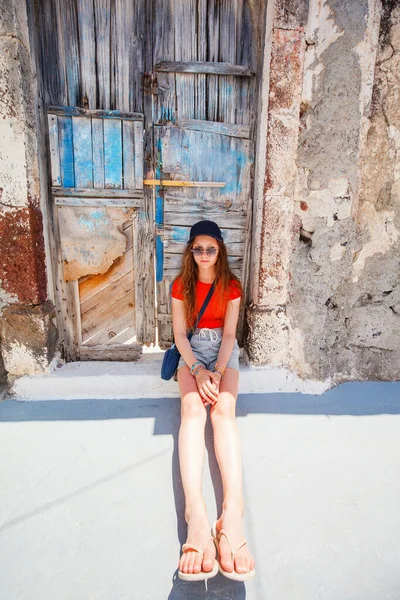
[194, 66]
[176, 183]
[231, 130]
[96, 193]
[109, 352]
[71, 201]
[75, 111]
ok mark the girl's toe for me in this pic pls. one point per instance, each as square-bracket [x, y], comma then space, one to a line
[191, 562]
[197, 564]
[209, 557]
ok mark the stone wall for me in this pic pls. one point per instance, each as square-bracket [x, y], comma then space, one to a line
[344, 298]
[27, 332]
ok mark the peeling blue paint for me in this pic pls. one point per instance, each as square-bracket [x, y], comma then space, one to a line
[159, 214]
[66, 152]
[179, 234]
[83, 155]
[96, 219]
[112, 154]
[159, 259]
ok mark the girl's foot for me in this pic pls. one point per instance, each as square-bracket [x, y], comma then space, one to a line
[198, 532]
[231, 522]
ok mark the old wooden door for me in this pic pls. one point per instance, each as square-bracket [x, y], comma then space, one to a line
[204, 90]
[185, 70]
[97, 187]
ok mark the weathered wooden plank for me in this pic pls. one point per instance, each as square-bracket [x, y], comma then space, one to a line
[165, 318]
[172, 145]
[213, 31]
[65, 294]
[136, 62]
[200, 99]
[95, 304]
[174, 261]
[83, 161]
[122, 353]
[144, 224]
[180, 234]
[230, 14]
[164, 305]
[69, 27]
[75, 111]
[232, 130]
[76, 201]
[98, 153]
[78, 323]
[234, 249]
[102, 10]
[112, 154]
[249, 48]
[201, 200]
[190, 184]
[185, 17]
[210, 68]
[164, 49]
[122, 52]
[54, 150]
[139, 159]
[228, 221]
[96, 193]
[128, 137]
[87, 50]
[118, 331]
[51, 56]
[92, 319]
[66, 152]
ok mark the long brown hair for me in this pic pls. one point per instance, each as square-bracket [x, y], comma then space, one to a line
[189, 275]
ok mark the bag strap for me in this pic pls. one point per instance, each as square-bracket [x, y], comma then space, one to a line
[203, 308]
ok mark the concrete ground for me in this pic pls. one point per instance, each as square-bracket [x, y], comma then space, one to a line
[92, 508]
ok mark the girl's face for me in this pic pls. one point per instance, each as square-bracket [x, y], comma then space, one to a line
[205, 251]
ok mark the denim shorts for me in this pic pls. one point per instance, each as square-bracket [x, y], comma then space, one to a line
[205, 344]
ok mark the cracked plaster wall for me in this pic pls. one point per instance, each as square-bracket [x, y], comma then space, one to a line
[344, 298]
[25, 312]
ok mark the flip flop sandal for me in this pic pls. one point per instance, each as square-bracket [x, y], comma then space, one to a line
[234, 574]
[202, 575]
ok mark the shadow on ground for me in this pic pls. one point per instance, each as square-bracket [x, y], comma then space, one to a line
[357, 399]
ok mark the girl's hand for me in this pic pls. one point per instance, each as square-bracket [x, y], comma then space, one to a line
[206, 386]
[216, 377]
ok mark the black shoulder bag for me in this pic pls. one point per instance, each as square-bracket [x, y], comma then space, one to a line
[172, 355]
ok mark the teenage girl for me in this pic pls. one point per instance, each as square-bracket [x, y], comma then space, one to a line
[208, 374]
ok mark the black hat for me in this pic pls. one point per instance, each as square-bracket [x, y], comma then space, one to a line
[206, 228]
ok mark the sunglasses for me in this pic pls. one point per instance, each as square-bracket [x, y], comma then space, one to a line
[209, 252]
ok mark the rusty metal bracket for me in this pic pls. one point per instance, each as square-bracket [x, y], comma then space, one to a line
[150, 84]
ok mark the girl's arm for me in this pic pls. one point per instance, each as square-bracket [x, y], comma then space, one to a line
[229, 334]
[204, 379]
[179, 327]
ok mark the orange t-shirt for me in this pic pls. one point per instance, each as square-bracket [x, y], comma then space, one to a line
[214, 314]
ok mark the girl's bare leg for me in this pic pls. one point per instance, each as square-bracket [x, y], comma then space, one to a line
[227, 450]
[191, 460]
